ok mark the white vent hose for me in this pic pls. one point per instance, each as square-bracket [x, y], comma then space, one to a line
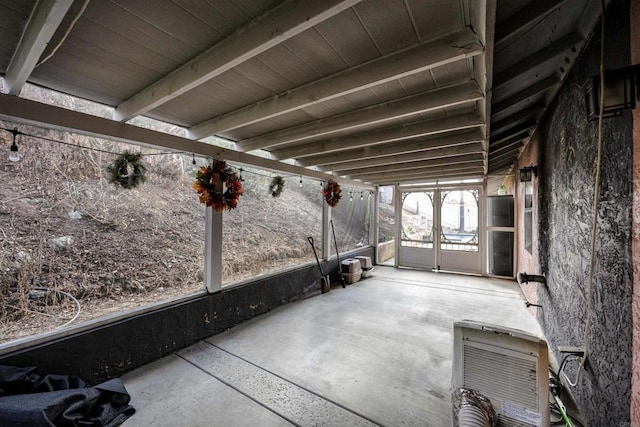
[472, 416]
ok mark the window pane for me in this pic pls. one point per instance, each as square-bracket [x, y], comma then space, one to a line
[386, 225]
[459, 220]
[67, 233]
[417, 219]
[265, 233]
[351, 219]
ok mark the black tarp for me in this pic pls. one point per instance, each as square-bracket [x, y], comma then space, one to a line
[28, 399]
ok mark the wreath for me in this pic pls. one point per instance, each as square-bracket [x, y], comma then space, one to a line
[277, 185]
[332, 193]
[127, 170]
[207, 178]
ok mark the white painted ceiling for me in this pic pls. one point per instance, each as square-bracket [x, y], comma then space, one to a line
[378, 91]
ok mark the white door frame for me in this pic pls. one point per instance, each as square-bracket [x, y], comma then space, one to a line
[436, 258]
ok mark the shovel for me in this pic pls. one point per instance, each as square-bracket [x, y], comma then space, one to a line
[325, 283]
[335, 242]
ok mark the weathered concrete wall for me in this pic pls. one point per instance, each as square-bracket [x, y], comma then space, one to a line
[635, 381]
[567, 154]
[111, 350]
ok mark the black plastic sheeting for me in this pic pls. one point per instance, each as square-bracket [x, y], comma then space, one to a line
[28, 399]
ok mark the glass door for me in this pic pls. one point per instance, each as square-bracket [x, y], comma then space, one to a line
[417, 231]
[459, 248]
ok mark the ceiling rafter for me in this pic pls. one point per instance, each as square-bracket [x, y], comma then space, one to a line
[422, 177]
[504, 166]
[470, 149]
[272, 28]
[399, 133]
[418, 167]
[537, 59]
[420, 58]
[516, 119]
[511, 144]
[394, 148]
[409, 164]
[508, 155]
[523, 20]
[45, 19]
[526, 94]
[522, 128]
[470, 152]
[405, 107]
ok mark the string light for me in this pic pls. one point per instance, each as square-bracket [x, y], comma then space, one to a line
[13, 153]
[14, 156]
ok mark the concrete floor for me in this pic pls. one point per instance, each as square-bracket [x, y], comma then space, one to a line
[376, 353]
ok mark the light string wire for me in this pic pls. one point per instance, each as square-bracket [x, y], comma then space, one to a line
[100, 150]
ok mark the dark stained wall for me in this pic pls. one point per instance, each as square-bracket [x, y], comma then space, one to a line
[113, 349]
[567, 158]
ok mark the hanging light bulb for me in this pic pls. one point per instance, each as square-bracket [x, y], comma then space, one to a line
[14, 156]
[194, 159]
[361, 196]
[351, 196]
[300, 181]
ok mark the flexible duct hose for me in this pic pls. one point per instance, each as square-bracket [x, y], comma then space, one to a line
[472, 416]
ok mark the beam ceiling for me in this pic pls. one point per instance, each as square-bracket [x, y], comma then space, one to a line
[402, 108]
[448, 142]
[335, 85]
[415, 60]
[399, 133]
[273, 28]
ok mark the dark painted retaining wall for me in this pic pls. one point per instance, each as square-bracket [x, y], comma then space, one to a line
[568, 152]
[111, 350]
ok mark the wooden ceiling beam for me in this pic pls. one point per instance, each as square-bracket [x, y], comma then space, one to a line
[520, 129]
[45, 19]
[469, 158]
[452, 163]
[517, 119]
[471, 149]
[421, 177]
[398, 108]
[418, 59]
[394, 148]
[416, 130]
[274, 27]
[531, 91]
[523, 20]
[538, 58]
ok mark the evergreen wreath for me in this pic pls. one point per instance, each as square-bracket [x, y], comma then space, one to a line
[207, 178]
[332, 193]
[127, 170]
[277, 185]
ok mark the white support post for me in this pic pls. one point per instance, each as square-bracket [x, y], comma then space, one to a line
[213, 250]
[374, 208]
[397, 198]
[326, 231]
